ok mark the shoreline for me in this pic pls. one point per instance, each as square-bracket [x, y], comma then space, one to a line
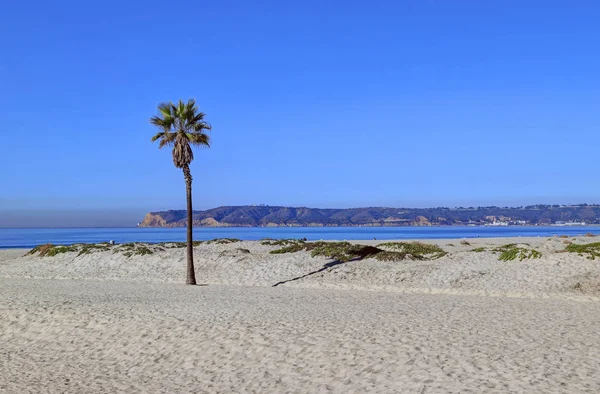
[365, 241]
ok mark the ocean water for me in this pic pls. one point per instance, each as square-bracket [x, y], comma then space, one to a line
[30, 237]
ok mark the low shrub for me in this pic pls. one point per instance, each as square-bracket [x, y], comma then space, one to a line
[139, 250]
[290, 249]
[385, 255]
[128, 249]
[223, 241]
[51, 250]
[592, 250]
[512, 252]
[90, 248]
[414, 250]
[176, 245]
[345, 251]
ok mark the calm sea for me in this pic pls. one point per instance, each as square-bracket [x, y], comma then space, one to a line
[28, 238]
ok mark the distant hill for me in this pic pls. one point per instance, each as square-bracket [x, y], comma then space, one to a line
[265, 216]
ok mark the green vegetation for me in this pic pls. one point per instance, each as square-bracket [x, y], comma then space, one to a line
[414, 250]
[293, 248]
[128, 249]
[592, 250]
[51, 250]
[345, 251]
[512, 252]
[281, 242]
[90, 248]
[176, 245]
[139, 250]
[223, 241]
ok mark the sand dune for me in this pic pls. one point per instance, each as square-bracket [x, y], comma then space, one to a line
[462, 271]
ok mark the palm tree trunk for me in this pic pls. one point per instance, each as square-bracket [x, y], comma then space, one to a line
[191, 275]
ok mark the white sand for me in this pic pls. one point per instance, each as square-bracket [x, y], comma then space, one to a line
[115, 329]
[91, 337]
[557, 275]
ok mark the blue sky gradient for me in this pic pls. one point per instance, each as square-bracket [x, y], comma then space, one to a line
[313, 103]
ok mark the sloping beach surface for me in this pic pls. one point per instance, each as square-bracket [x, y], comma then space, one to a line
[105, 322]
[83, 336]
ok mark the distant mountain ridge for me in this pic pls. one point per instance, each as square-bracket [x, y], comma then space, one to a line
[275, 216]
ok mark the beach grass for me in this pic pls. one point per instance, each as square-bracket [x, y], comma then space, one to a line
[127, 249]
[510, 252]
[413, 250]
[592, 250]
[223, 241]
[281, 242]
[345, 251]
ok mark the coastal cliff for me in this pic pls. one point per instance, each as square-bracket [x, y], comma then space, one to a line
[276, 216]
[154, 220]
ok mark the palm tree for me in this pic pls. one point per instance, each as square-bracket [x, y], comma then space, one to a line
[182, 126]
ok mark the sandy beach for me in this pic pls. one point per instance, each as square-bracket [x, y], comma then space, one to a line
[556, 274]
[465, 322]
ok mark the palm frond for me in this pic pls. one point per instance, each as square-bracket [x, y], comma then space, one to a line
[200, 126]
[199, 139]
[165, 109]
[164, 124]
[181, 109]
[157, 136]
[167, 140]
[174, 111]
[182, 126]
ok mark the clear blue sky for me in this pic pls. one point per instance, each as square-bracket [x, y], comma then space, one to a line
[313, 103]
